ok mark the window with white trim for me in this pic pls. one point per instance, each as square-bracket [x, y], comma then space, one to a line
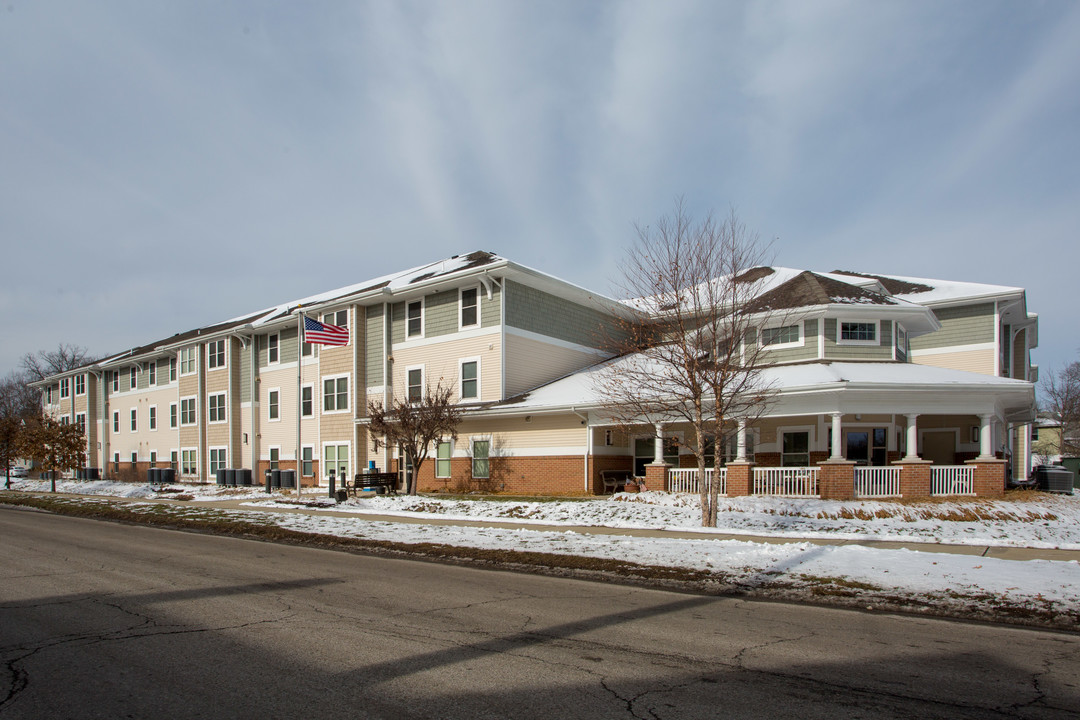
[863, 333]
[187, 411]
[470, 379]
[134, 419]
[174, 416]
[273, 405]
[80, 384]
[275, 458]
[116, 421]
[152, 368]
[189, 461]
[307, 401]
[443, 454]
[470, 307]
[116, 462]
[215, 407]
[80, 420]
[172, 369]
[134, 458]
[272, 354]
[48, 395]
[218, 459]
[65, 387]
[215, 354]
[795, 449]
[116, 381]
[338, 317]
[153, 458]
[307, 461]
[336, 458]
[153, 417]
[414, 319]
[187, 361]
[414, 384]
[174, 459]
[336, 394]
[133, 377]
[481, 461]
[781, 336]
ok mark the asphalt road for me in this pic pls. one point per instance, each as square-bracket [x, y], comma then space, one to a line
[105, 620]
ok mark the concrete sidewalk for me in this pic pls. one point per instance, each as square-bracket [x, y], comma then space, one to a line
[1004, 553]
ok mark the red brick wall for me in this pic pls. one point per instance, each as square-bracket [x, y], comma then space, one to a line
[560, 475]
[989, 479]
[915, 479]
[600, 463]
[740, 479]
[836, 480]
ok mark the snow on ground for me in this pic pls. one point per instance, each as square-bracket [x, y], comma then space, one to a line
[1035, 520]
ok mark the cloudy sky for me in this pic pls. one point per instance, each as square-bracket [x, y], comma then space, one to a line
[168, 165]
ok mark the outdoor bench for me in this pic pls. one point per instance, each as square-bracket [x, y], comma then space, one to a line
[614, 480]
[381, 483]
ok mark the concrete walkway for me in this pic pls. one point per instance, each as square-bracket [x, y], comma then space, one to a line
[1004, 553]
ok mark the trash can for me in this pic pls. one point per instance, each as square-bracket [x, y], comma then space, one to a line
[288, 478]
[1054, 478]
[220, 476]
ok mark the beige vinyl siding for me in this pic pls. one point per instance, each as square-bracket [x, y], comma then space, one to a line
[980, 361]
[837, 351]
[443, 361]
[143, 440]
[531, 363]
[333, 362]
[538, 312]
[374, 349]
[965, 325]
[515, 436]
[188, 435]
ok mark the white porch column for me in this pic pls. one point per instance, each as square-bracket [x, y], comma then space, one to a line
[658, 445]
[912, 437]
[986, 436]
[740, 441]
[837, 445]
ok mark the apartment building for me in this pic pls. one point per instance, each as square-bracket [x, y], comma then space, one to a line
[875, 376]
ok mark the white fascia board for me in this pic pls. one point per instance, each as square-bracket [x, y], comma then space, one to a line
[247, 329]
[434, 284]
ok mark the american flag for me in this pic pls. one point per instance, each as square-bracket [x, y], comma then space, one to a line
[317, 333]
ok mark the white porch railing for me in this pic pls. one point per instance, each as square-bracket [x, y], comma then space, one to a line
[877, 482]
[952, 480]
[790, 481]
[685, 480]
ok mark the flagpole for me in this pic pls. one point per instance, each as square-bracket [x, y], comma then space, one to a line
[299, 397]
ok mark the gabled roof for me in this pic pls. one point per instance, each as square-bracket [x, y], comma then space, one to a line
[926, 291]
[808, 289]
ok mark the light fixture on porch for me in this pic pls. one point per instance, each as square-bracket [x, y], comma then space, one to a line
[858, 417]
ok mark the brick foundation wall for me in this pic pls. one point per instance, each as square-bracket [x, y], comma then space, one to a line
[656, 477]
[740, 479]
[915, 479]
[836, 480]
[989, 477]
[559, 475]
[601, 463]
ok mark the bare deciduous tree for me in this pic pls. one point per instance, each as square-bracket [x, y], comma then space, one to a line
[415, 426]
[692, 356]
[1061, 400]
[43, 363]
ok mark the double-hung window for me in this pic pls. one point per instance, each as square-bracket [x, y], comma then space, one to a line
[134, 419]
[796, 449]
[65, 387]
[414, 384]
[470, 379]
[189, 462]
[481, 464]
[133, 377]
[116, 381]
[442, 459]
[272, 350]
[172, 369]
[187, 411]
[152, 369]
[215, 354]
[335, 394]
[80, 384]
[80, 420]
[414, 319]
[307, 403]
[116, 421]
[273, 402]
[187, 361]
[218, 459]
[173, 415]
[470, 316]
[153, 417]
[215, 405]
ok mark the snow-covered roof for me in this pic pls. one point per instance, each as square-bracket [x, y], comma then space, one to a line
[582, 389]
[927, 291]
